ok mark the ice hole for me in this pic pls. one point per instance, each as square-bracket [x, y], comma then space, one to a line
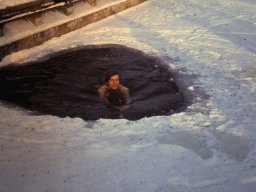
[66, 83]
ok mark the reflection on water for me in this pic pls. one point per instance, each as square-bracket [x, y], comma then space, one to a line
[66, 84]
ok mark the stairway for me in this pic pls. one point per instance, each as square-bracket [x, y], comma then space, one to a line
[45, 19]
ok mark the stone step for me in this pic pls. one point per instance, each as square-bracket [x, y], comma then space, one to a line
[36, 31]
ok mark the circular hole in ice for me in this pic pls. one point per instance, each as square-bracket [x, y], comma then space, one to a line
[66, 83]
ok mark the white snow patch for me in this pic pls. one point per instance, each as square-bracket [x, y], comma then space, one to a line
[250, 180]
[186, 182]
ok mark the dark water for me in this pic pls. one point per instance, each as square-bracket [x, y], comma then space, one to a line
[66, 83]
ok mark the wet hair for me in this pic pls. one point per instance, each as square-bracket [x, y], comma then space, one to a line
[110, 74]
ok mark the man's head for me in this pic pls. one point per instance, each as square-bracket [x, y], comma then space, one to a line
[113, 79]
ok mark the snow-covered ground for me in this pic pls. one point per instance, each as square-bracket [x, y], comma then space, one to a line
[211, 45]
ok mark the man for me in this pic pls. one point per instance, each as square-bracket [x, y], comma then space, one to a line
[113, 94]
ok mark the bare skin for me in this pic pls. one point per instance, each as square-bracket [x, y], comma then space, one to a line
[114, 83]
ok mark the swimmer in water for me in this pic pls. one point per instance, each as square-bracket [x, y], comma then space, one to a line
[113, 94]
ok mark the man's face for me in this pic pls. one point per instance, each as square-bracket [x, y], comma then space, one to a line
[114, 82]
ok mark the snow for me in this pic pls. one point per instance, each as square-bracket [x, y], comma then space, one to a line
[208, 147]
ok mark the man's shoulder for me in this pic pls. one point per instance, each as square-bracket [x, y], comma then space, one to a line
[123, 88]
[103, 88]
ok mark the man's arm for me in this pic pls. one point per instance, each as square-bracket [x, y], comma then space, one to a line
[126, 94]
[102, 91]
